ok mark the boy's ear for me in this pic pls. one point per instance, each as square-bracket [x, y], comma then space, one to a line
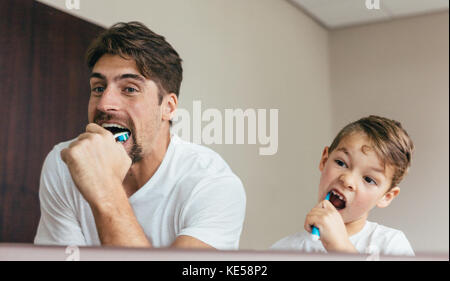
[388, 197]
[324, 158]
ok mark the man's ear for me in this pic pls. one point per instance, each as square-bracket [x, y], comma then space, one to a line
[169, 104]
[388, 197]
[324, 158]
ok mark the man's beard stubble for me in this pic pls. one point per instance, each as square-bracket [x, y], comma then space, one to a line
[135, 152]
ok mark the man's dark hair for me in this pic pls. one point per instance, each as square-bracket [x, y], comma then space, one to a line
[155, 57]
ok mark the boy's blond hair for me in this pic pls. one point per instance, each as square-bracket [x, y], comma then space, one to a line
[390, 141]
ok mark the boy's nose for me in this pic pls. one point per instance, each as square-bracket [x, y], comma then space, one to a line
[347, 180]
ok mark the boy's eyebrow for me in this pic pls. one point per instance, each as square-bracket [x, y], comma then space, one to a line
[379, 170]
[119, 77]
[343, 149]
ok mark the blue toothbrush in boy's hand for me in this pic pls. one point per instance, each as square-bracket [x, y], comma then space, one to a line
[315, 231]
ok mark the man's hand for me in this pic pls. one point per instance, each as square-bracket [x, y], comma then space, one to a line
[333, 233]
[98, 164]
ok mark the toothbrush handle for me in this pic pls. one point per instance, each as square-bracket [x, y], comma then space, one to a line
[315, 231]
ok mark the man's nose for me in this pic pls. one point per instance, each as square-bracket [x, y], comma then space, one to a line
[348, 181]
[109, 100]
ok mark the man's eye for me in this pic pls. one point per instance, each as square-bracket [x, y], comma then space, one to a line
[98, 89]
[369, 180]
[340, 163]
[130, 90]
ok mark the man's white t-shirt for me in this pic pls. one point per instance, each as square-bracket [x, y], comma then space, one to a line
[372, 239]
[193, 192]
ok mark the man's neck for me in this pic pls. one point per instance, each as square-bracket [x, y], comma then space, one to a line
[141, 172]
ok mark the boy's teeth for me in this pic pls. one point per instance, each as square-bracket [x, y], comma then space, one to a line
[338, 195]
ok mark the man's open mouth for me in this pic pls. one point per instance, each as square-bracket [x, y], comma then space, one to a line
[116, 128]
[337, 199]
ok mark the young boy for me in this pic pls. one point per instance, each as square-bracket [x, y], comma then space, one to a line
[361, 170]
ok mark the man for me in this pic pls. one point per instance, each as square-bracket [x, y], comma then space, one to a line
[154, 189]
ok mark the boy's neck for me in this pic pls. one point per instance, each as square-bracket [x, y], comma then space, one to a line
[356, 226]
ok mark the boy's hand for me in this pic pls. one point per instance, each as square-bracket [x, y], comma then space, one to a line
[333, 233]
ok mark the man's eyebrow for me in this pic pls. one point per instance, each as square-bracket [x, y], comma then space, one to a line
[119, 77]
[130, 75]
[97, 75]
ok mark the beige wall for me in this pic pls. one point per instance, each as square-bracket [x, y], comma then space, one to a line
[400, 69]
[267, 54]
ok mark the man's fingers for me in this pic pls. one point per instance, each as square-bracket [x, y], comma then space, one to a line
[80, 138]
[97, 129]
[84, 136]
[64, 154]
[93, 129]
[67, 155]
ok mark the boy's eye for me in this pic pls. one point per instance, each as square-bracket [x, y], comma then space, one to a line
[370, 180]
[340, 163]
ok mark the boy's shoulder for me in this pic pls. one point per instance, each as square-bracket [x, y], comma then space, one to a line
[299, 241]
[384, 239]
[375, 230]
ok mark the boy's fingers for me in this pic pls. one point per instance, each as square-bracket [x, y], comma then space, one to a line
[308, 223]
[313, 219]
[328, 205]
[321, 204]
[307, 226]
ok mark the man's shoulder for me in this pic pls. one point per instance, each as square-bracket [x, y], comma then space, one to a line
[53, 158]
[56, 150]
[198, 157]
[200, 170]
[55, 180]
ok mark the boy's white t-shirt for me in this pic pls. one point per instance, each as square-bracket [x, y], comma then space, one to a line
[372, 239]
[193, 192]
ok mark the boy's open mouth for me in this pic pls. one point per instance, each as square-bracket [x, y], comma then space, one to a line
[337, 199]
